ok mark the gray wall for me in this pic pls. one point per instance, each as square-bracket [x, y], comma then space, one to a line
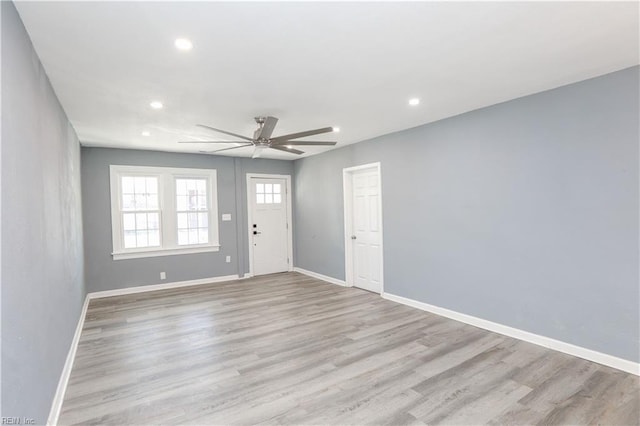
[104, 273]
[42, 256]
[524, 213]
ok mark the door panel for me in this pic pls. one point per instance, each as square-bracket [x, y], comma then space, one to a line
[367, 256]
[269, 227]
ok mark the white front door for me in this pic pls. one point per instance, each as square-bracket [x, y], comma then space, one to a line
[366, 230]
[268, 227]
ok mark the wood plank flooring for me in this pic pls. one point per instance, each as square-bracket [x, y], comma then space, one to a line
[289, 349]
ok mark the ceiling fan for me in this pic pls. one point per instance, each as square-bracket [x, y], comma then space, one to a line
[262, 138]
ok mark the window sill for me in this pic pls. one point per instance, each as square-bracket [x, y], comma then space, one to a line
[164, 252]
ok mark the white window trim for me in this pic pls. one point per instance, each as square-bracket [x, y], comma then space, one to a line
[168, 214]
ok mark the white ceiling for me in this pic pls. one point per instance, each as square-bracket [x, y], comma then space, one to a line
[352, 65]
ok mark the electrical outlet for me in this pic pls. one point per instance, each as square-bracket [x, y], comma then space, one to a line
[163, 275]
[228, 259]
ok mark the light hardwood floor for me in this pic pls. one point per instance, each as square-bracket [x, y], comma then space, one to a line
[289, 349]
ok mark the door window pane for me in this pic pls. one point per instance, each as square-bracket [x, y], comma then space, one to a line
[268, 193]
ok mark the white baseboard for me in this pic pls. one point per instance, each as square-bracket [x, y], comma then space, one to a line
[163, 286]
[547, 342]
[56, 405]
[321, 277]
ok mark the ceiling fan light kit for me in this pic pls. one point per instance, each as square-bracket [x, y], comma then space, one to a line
[262, 139]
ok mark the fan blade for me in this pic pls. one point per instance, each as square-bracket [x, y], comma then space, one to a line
[302, 134]
[233, 147]
[225, 132]
[267, 128]
[285, 149]
[257, 151]
[210, 142]
[308, 143]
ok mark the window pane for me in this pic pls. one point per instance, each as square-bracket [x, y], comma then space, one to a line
[203, 235]
[192, 220]
[202, 186]
[276, 188]
[193, 236]
[260, 198]
[129, 239]
[141, 221]
[183, 237]
[153, 221]
[268, 198]
[154, 238]
[268, 188]
[129, 221]
[259, 188]
[152, 185]
[141, 238]
[127, 185]
[277, 198]
[139, 193]
[128, 202]
[193, 202]
[191, 185]
[203, 220]
[140, 185]
[141, 202]
[202, 203]
[152, 202]
[182, 203]
[181, 187]
[182, 221]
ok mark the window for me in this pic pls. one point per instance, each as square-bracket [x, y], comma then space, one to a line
[140, 211]
[268, 193]
[193, 211]
[159, 211]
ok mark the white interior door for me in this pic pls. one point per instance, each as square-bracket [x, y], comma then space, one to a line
[268, 228]
[366, 230]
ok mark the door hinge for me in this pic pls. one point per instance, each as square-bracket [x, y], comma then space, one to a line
[287, 260]
[287, 226]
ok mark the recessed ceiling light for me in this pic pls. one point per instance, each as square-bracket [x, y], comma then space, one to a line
[183, 44]
[289, 146]
[145, 133]
[336, 129]
[156, 105]
[414, 101]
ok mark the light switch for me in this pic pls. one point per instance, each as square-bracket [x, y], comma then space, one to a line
[226, 217]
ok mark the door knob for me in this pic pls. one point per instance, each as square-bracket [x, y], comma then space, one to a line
[353, 237]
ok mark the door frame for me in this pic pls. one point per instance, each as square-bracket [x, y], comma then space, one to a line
[288, 197]
[347, 185]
